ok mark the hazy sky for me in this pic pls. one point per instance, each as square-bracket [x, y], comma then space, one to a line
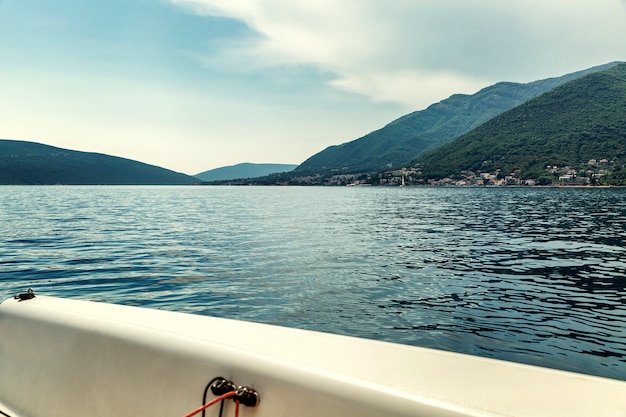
[192, 85]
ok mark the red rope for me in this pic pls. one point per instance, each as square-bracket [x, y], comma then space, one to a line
[236, 408]
[213, 401]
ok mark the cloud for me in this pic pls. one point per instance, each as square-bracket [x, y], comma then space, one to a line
[407, 86]
[418, 52]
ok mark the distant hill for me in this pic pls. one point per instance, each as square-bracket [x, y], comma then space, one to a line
[244, 170]
[30, 163]
[406, 138]
[582, 120]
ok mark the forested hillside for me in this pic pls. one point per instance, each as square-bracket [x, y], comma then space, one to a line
[581, 121]
[409, 136]
[34, 163]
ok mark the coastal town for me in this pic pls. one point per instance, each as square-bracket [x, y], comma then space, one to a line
[591, 173]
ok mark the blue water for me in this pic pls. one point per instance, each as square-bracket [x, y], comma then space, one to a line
[531, 275]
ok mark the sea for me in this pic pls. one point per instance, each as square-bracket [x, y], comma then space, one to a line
[530, 275]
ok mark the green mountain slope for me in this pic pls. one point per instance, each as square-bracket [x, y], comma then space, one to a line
[33, 163]
[581, 120]
[243, 170]
[409, 136]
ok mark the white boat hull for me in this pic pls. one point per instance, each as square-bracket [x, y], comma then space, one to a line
[74, 358]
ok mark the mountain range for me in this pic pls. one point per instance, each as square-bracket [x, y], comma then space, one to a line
[566, 130]
[29, 163]
[244, 170]
[406, 138]
[539, 129]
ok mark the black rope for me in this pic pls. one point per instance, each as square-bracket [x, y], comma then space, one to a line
[204, 395]
[4, 414]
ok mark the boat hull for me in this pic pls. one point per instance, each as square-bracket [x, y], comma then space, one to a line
[69, 358]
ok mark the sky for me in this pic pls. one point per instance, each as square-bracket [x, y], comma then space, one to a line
[192, 85]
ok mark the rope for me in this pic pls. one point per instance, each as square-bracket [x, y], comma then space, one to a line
[224, 389]
[206, 392]
[212, 402]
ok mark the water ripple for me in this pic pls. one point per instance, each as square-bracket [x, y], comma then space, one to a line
[530, 275]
